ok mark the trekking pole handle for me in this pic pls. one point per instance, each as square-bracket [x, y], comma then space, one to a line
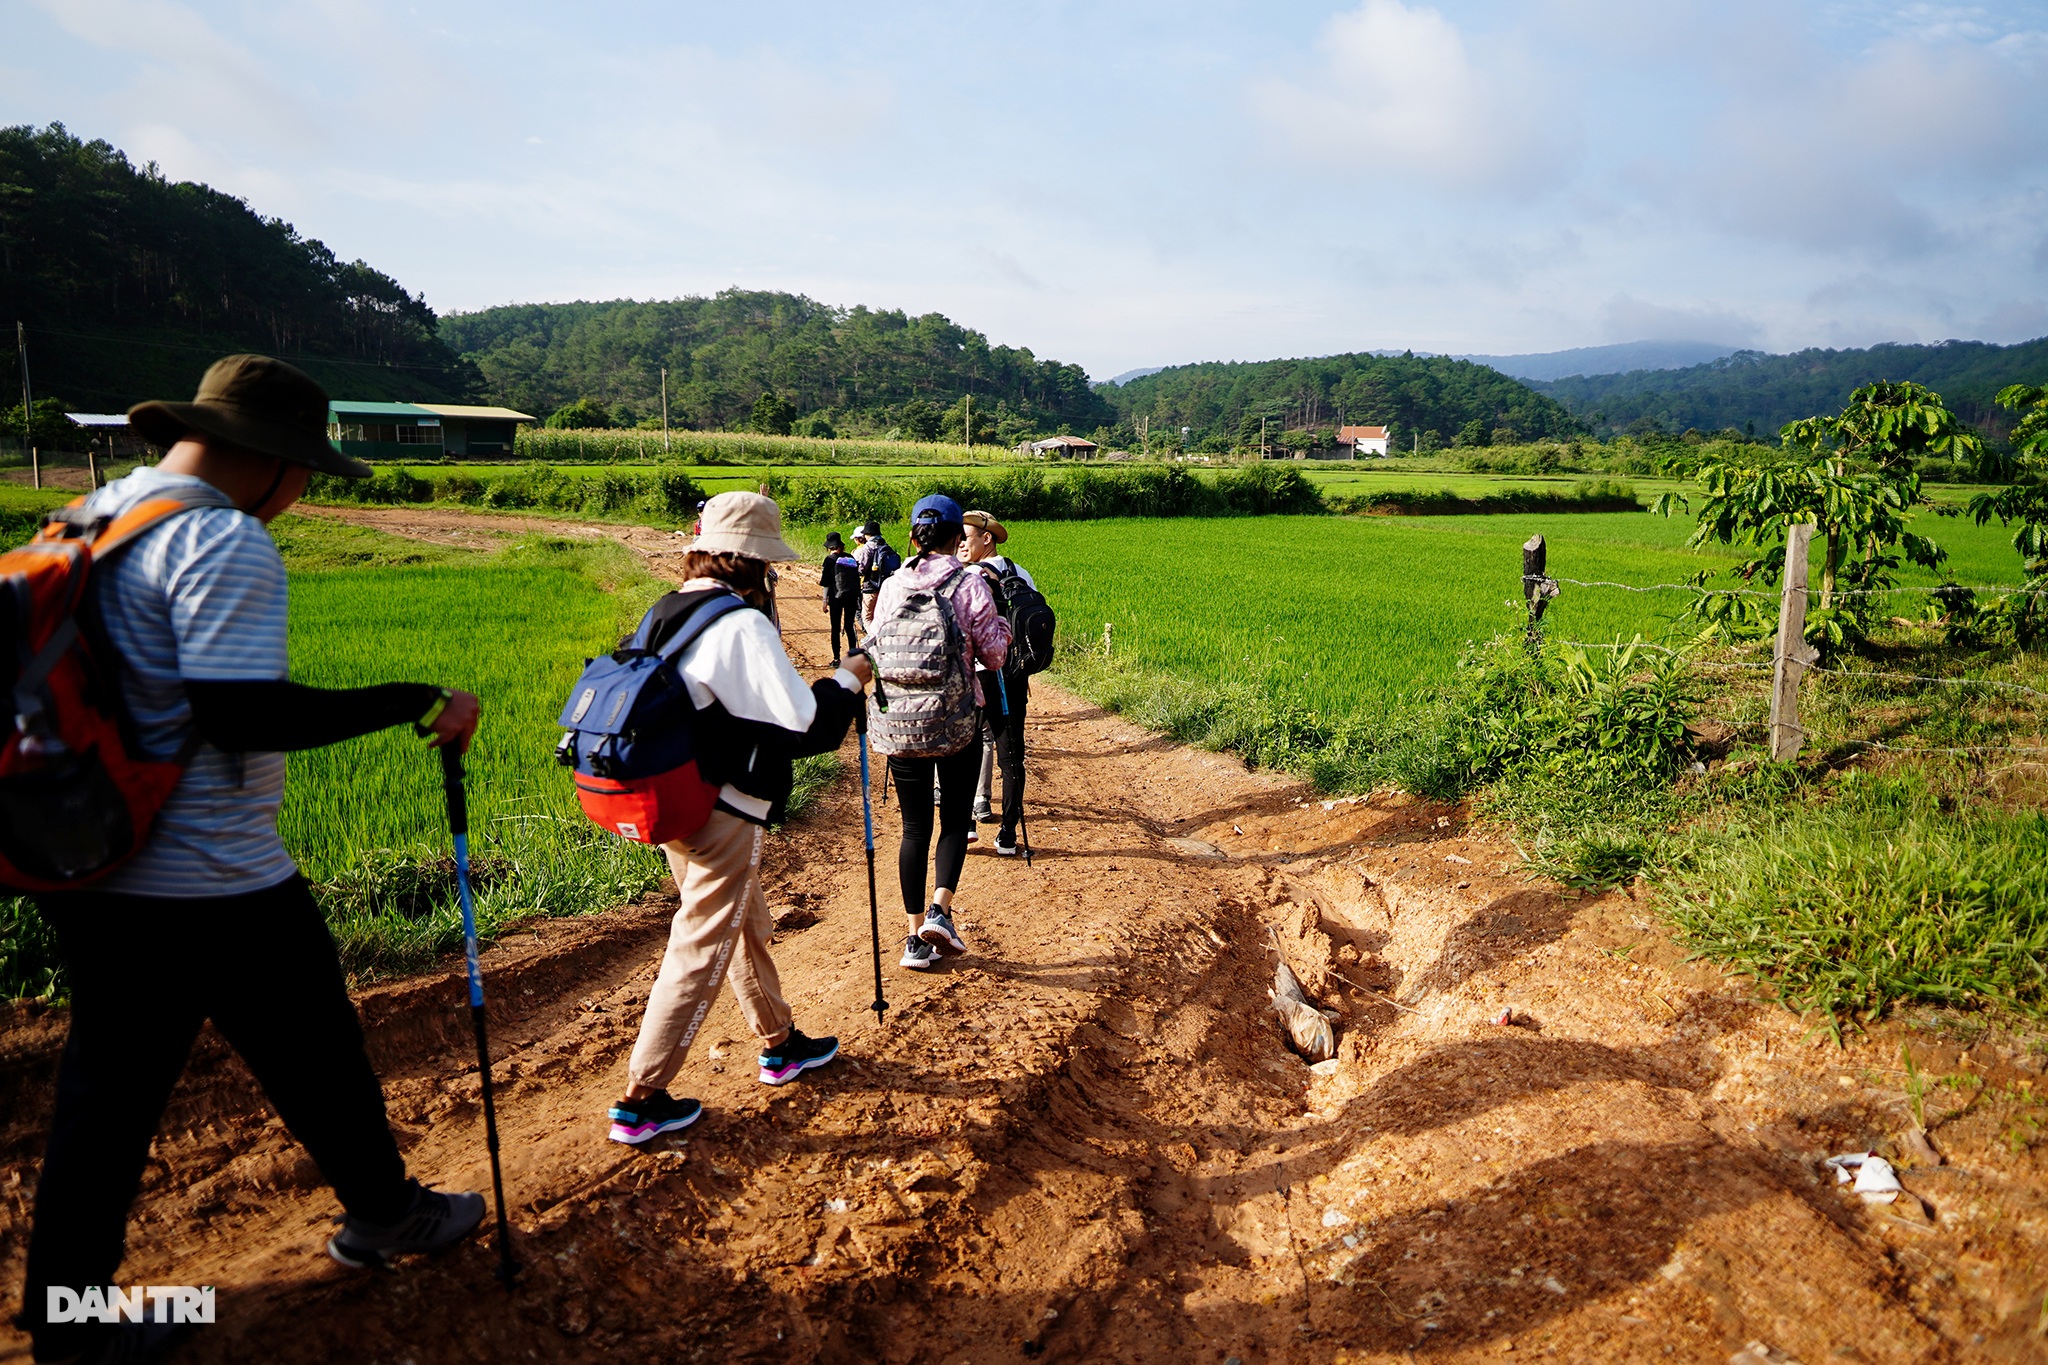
[451, 786]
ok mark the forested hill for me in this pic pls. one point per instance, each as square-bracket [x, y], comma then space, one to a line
[1752, 391]
[825, 367]
[131, 284]
[1430, 400]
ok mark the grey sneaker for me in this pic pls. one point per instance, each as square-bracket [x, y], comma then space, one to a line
[918, 955]
[435, 1222]
[939, 932]
[984, 814]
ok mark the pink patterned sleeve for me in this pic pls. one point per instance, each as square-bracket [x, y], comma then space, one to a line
[988, 634]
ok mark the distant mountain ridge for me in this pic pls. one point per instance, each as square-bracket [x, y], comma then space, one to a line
[1621, 358]
[1756, 392]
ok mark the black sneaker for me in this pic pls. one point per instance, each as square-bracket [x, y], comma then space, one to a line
[918, 955]
[636, 1121]
[938, 931]
[435, 1222]
[1006, 845]
[795, 1055]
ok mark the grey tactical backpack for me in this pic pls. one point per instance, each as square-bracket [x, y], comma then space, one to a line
[923, 704]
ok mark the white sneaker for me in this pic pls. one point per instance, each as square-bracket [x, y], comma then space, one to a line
[918, 955]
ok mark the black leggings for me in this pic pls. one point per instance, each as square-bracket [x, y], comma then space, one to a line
[145, 973]
[957, 775]
[845, 613]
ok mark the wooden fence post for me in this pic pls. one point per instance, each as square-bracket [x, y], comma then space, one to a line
[1793, 653]
[1537, 590]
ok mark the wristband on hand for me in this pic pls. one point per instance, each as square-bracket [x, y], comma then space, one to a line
[434, 712]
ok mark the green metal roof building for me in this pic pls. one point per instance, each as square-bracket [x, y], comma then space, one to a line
[421, 431]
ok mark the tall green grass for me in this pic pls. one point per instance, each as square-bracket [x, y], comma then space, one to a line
[611, 445]
[365, 819]
[1880, 892]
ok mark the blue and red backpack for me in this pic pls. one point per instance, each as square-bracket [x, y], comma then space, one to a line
[633, 731]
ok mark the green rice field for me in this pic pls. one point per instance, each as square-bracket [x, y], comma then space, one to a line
[1337, 613]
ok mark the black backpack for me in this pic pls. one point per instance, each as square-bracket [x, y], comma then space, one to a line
[845, 578]
[1032, 623]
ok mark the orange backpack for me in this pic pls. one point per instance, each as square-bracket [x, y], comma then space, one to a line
[77, 795]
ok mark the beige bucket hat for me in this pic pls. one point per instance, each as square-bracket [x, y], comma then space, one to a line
[987, 523]
[748, 524]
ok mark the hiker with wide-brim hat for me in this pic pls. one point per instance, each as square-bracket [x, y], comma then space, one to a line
[1006, 689]
[211, 920]
[754, 715]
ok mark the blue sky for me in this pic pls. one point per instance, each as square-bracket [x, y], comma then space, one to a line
[1127, 184]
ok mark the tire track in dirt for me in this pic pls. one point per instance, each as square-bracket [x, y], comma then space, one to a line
[1087, 1140]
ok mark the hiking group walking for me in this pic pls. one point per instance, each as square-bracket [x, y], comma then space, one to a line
[146, 768]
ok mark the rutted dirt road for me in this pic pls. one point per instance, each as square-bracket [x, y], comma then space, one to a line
[1088, 1140]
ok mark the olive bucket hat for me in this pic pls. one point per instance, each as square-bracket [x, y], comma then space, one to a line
[257, 403]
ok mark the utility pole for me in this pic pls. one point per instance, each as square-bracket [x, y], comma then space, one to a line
[967, 427]
[664, 409]
[28, 431]
[1262, 438]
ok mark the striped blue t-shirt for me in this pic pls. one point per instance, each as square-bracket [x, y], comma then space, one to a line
[201, 596]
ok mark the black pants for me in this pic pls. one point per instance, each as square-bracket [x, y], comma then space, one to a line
[845, 614]
[145, 973]
[956, 775]
[1008, 734]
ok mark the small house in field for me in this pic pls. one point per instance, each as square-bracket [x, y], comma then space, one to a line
[422, 431]
[1364, 440]
[1073, 447]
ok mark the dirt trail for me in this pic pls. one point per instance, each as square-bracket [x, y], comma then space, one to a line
[1088, 1140]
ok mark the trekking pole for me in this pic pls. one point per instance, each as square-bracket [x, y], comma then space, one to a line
[867, 820]
[1023, 830]
[458, 822]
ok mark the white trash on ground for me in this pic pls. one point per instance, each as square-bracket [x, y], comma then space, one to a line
[1875, 1179]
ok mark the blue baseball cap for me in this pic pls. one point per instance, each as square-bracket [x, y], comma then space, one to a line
[936, 508]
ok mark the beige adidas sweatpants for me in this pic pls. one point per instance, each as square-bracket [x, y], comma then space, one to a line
[718, 871]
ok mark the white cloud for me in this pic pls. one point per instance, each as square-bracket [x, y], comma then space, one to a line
[1400, 95]
[1882, 152]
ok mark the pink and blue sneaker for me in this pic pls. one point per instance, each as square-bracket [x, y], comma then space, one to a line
[795, 1055]
[636, 1121]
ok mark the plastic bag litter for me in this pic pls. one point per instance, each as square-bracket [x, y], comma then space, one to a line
[1306, 1025]
[1875, 1179]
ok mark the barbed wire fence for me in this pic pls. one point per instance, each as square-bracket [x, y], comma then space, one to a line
[1792, 658]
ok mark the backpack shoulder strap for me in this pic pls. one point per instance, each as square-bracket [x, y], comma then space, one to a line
[698, 621]
[109, 535]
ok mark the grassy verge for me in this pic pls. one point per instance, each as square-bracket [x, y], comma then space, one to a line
[1852, 883]
[1880, 890]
